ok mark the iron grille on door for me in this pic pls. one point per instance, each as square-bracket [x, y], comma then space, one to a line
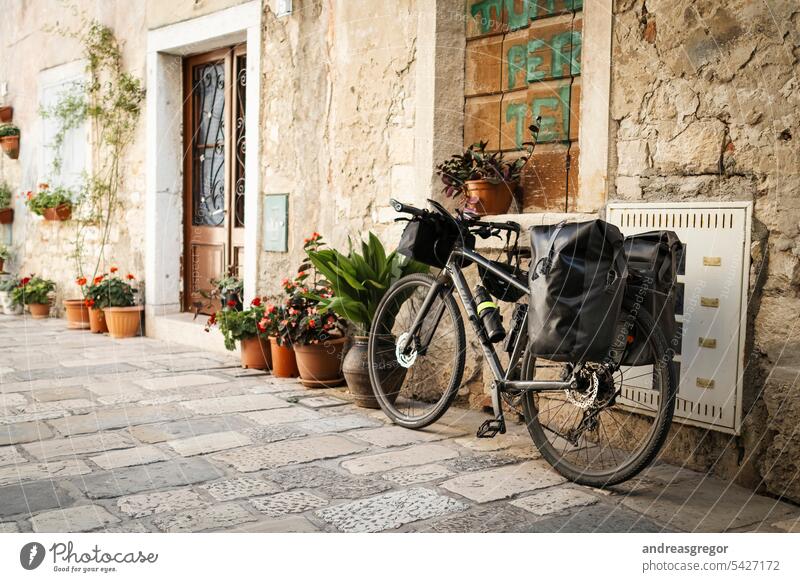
[713, 305]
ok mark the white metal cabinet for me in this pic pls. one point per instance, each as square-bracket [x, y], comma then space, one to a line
[715, 283]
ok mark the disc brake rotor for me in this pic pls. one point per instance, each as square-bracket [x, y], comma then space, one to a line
[583, 399]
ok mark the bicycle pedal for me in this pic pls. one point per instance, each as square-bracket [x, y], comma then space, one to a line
[491, 427]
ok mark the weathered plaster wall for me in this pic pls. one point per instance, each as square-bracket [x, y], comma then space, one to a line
[338, 119]
[704, 106]
[44, 247]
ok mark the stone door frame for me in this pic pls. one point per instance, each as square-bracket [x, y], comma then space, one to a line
[166, 48]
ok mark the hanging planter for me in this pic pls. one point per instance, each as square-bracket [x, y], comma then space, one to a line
[9, 140]
[6, 215]
[6, 113]
[59, 213]
[77, 314]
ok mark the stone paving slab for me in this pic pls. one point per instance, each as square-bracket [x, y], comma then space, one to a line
[289, 502]
[419, 474]
[145, 504]
[239, 488]
[289, 453]
[32, 497]
[420, 455]
[497, 518]
[36, 471]
[142, 455]
[209, 443]
[389, 510]
[397, 436]
[73, 519]
[72, 446]
[8, 528]
[214, 517]
[282, 415]
[331, 483]
[554, 501]
[12, 400]
[178, 381]
[292, 524]
[116, 418]
[10, 456]
[321, 402]
[503, 482]
[190, 427]
[60, 394]
[130, 480]
[24, 432]
[228, 404]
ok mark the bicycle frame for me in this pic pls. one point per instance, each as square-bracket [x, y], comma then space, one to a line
[452, 273]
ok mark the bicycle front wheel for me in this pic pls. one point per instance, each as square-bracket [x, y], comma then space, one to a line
[415, 378]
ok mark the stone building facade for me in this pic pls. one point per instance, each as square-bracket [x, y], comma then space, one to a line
[353, 102]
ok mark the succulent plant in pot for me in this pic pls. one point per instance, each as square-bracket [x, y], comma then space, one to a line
[8, 303]
[6, 212]
[9, 140]
[359, 282]
[35, 293]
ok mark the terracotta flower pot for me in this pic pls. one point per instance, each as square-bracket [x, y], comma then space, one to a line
[77, 314]
[356, 371]
[320, 365]
[124, 322]
[97, 321]
[2, 264]
[6, 113]
[6, 215]
[256, 353]
[284, 362]
[485, 198]
[10, 145]
[59, 213]
[39, 310]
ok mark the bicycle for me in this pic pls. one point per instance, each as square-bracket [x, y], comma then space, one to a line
[575, 412]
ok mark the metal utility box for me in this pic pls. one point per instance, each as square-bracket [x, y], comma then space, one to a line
[712, 310]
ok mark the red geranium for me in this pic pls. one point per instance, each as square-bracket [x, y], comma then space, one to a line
[25, 281]
[256, 302]
[231, 303]
[129, 277]
[98, 279]
[113, 269]
[81, 281]
[89, 303]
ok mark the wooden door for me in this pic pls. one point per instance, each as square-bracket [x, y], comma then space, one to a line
[214, 142]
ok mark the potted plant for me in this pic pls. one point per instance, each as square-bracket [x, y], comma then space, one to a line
[6, 212]
[6, 113]
[244, 326]
[487, 182]
[284, 361]
[359, 281]
[117, 298]
[92, 300]
[318, 339]
[34, 292]
[8, 303]
[77, 310]
[53, 204]
[5, 254]
[9, 140]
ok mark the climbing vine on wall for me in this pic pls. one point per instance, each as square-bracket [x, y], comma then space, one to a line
[110, 99]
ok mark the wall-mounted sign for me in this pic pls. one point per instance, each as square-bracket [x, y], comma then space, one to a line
[276, 222]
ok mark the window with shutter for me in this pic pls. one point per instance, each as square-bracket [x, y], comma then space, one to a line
[73, 149]
[523, 60]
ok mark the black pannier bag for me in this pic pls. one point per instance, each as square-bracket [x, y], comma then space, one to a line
[429, 239]
[652, 279]
[577, 282]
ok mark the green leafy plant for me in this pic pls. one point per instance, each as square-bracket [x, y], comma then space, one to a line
[5, 252]
[360, 280]
[5, 195]
[476, 164]
[8, 130]
[227, 290]
[33, 289]
[46, 198]
[109, 290]
[303, 323]
[8, 285]
[238, 325]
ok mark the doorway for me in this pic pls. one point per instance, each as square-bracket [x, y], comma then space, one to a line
[214, 172]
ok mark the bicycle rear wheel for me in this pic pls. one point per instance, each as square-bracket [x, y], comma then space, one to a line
[599, 435]
[415, 379]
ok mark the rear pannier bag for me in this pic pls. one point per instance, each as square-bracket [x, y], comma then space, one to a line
[652, 279]
[577, 281]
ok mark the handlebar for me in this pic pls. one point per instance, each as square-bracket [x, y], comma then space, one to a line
[467, 222]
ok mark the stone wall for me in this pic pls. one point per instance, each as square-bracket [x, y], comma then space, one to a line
[704, 106]
[338, 120]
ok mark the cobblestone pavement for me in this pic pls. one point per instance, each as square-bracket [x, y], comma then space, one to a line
[139, 435]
